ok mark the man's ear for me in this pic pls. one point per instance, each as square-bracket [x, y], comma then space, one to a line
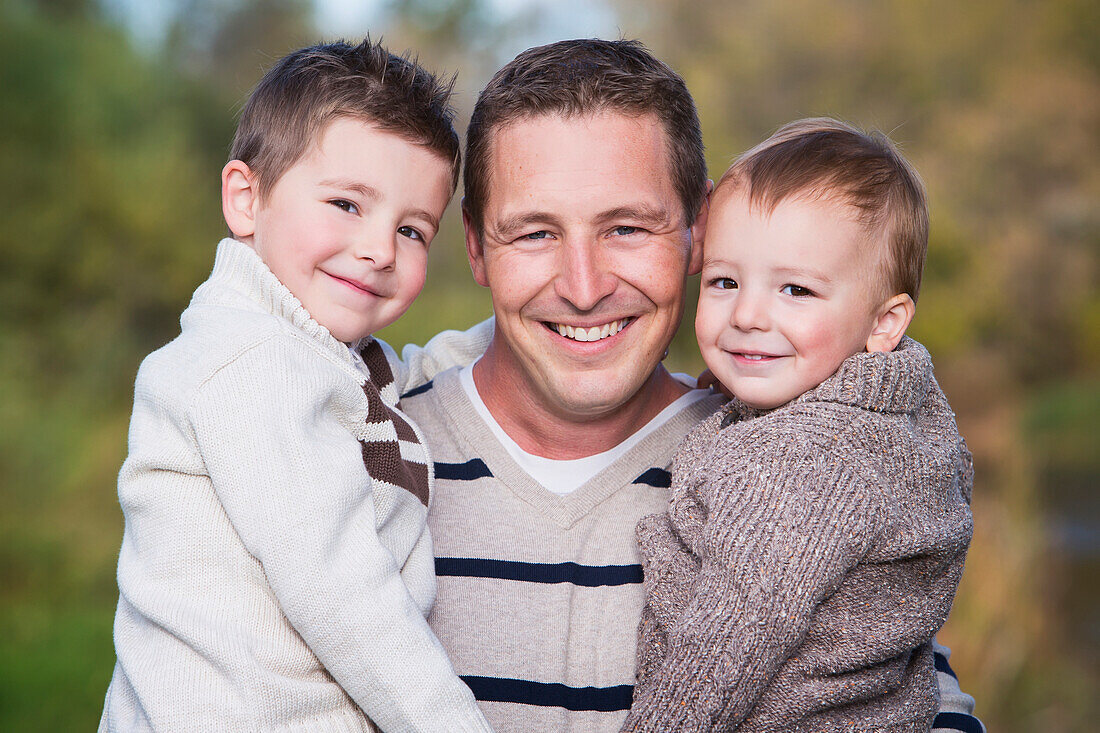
[698, 232]
[894, 317]
[240, 199]
[474, 251]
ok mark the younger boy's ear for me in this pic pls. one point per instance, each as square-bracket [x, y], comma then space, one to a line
[240, 199]
[474, 250]
[698, 233]
[894, 317]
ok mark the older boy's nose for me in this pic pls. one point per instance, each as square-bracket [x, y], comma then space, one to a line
[583, 277]
[378, 247]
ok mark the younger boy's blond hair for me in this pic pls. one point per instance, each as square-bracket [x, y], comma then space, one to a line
[822, 157]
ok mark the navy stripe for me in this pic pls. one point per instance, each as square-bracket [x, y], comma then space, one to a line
[588, 576]
[943, 666]
[417, 390]
[550, 694]
[473, 469]
[658, 477]
[958, 721]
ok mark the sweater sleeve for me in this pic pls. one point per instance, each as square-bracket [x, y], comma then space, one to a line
[292, 482]
[419, 365]
[779, 538]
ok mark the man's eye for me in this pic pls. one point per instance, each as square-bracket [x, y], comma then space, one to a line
[345, 205]
[540, 234]
[724, 283]
[625, 231]
[797, 291]
[410, 233]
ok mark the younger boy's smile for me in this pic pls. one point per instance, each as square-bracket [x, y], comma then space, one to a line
[785, 297]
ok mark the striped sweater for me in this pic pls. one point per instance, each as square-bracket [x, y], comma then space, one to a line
[539, 596]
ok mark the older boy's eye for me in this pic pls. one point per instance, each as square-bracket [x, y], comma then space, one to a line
[345, 205]
[410, 233]
[797, 291]
[725, 283]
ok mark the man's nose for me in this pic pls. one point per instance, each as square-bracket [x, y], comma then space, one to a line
[584, 275]
[377, 244]
[750, 311]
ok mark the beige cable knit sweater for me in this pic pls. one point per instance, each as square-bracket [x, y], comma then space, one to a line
[808, 557]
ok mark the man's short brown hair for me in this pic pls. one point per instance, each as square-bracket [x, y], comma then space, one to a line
[581, 77]
[825, 158]
[309, 88]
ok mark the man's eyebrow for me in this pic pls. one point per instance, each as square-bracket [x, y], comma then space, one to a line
[349, 184]
[515, 222]
[643, 213]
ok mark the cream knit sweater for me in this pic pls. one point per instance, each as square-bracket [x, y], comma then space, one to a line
[808, 557]
[266, 581]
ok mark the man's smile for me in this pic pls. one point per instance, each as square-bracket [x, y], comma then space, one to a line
[589, 333]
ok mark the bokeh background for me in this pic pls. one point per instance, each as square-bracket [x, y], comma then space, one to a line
[115, 119]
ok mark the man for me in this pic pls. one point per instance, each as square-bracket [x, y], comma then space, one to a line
[585, 204]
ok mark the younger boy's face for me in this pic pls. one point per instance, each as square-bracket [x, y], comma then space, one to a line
[785, 298]
[346, 228]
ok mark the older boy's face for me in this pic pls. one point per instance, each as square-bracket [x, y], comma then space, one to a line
[785, 298]
[346, 229]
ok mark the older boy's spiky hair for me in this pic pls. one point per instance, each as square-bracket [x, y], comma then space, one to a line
[821, 157]
[307, 89]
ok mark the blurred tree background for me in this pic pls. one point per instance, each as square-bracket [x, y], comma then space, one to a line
[115, 119]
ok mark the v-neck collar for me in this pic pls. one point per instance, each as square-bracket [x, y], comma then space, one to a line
[656, 449]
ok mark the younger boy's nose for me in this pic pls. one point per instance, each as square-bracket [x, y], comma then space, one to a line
[749, 312]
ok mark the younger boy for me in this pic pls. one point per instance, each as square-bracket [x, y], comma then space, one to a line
[818, 524]
[276, 568]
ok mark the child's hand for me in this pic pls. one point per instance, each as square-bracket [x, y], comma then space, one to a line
[707, 379]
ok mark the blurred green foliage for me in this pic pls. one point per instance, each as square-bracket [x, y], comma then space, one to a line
[109, 158]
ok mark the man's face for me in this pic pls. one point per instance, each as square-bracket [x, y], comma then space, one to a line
[585, 249]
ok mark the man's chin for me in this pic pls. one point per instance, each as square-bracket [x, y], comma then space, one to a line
[592, 395]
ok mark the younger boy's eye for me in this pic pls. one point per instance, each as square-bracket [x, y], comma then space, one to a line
[345, 205]
[725, 283]
[797, 291]
[410, 233]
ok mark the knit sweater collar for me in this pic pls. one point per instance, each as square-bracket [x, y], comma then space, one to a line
[894, 381]
[239, 268]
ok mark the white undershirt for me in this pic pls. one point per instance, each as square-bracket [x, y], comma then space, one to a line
[564, 476]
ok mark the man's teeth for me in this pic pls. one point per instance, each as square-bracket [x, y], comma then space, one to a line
[595, 333]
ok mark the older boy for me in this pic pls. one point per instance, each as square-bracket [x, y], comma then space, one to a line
[276, 569]
[818, 524]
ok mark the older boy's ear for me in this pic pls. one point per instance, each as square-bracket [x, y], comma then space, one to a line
[240, 199]
[894, 318]
[698, 232]
[474, 251]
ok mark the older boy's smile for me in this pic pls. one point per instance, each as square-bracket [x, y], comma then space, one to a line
[347, 227]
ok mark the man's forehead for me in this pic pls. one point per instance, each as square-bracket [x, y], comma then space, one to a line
[622, 159]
